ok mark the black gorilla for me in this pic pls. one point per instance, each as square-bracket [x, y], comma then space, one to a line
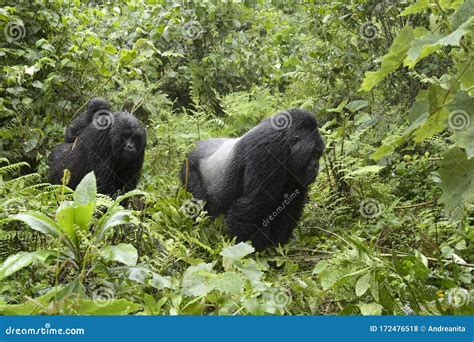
[110, 144]
[260, 180]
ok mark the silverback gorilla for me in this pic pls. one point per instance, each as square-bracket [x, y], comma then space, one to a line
[110, 144]
[260, 180]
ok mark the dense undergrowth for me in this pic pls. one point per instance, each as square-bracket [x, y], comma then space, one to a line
[388, 227]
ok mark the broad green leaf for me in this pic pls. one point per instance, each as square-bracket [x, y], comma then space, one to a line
[457, 182]
[20, 260]
[251, 270]
[65, 220]
[229, 282]
[39, 222]
[123, 253]
[417, 7]
[196, 280]
[362, 284]
[117, 218]
[130, 194]
[160, 282]
[466, 70]
[321, 266]
[143, 276]
[464, 13]
[339, 108]
[392, 60]
[370, 309]
[237, 251]
[83, 215]
[354, 106]
[86, 190]
[328, 278]
[424, 46]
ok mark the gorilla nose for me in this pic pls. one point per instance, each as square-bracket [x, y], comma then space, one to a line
[130, 147]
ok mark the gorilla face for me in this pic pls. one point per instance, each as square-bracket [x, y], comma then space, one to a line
[127, 137]
[306, 148]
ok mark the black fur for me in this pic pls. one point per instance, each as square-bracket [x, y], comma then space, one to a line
[85, 118]
[265, 174]
[114, 152]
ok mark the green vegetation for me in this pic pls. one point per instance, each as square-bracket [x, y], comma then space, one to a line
[388, 228]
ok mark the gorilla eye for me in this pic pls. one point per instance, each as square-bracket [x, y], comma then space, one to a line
[295, 138]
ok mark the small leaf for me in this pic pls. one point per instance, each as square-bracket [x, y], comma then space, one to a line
[39, 222]
[20, 260]
[417, 7]
[229, 282]
[238, 251]
[117, 218]
[123, 253]
[86, 190]
[370, 309]
[354, 106]
[362, 284]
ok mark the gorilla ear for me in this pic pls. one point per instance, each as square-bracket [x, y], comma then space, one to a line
[96, 104]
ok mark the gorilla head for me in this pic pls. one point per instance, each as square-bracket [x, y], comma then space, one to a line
[258, 181]
[127, 137]
[94, 106]
[110, 144]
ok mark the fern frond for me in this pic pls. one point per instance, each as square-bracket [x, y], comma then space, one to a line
[13, 167]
